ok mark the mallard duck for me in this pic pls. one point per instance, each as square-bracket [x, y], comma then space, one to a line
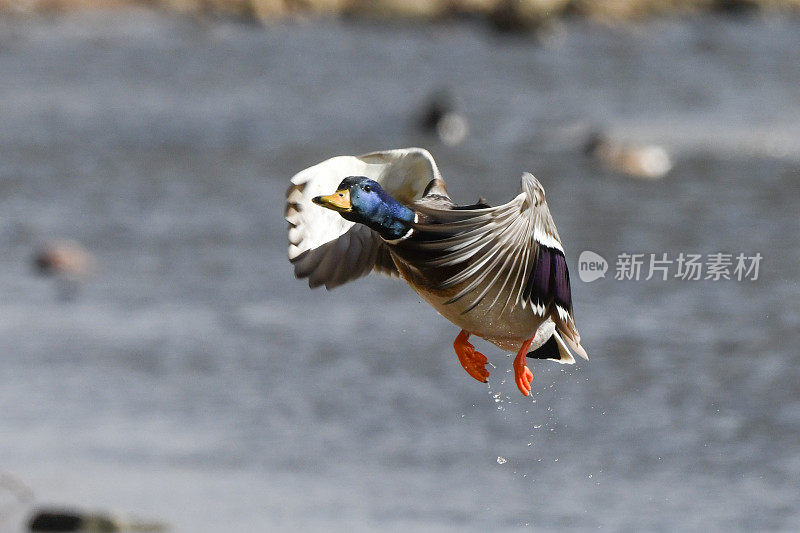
[66, 261]
[64, 258]
[646, 161]
[495, 272]
[441, 117]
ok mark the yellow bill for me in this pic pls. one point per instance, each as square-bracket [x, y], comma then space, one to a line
[338, 201]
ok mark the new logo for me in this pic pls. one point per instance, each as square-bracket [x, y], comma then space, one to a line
[591, 266]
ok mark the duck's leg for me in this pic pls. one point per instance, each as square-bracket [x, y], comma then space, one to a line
[522, 374]
[473, 362]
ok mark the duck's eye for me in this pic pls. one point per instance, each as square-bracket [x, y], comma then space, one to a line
[367, 188]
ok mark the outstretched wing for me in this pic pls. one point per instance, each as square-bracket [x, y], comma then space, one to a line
[511, 253]
[330, 250]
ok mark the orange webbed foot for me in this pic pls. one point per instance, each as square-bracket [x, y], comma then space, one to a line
[524, 377]
[474, 362]
[522, 374]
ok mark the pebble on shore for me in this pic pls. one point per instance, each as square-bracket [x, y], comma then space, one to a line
[504, 15]
[63, 520]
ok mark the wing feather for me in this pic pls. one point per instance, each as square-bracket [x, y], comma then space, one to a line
[496, 257]
[517, 243]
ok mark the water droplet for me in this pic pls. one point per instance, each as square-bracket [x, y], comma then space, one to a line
[501, 460]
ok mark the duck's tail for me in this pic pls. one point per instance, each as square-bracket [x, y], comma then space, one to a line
[555, 349]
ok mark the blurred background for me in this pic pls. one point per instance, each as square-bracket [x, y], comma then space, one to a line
[160, 364]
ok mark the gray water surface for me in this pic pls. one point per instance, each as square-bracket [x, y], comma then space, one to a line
[194, 381]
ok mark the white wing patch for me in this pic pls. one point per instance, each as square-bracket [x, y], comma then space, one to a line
[311, 226]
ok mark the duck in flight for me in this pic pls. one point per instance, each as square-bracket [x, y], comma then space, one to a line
[495, 272]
